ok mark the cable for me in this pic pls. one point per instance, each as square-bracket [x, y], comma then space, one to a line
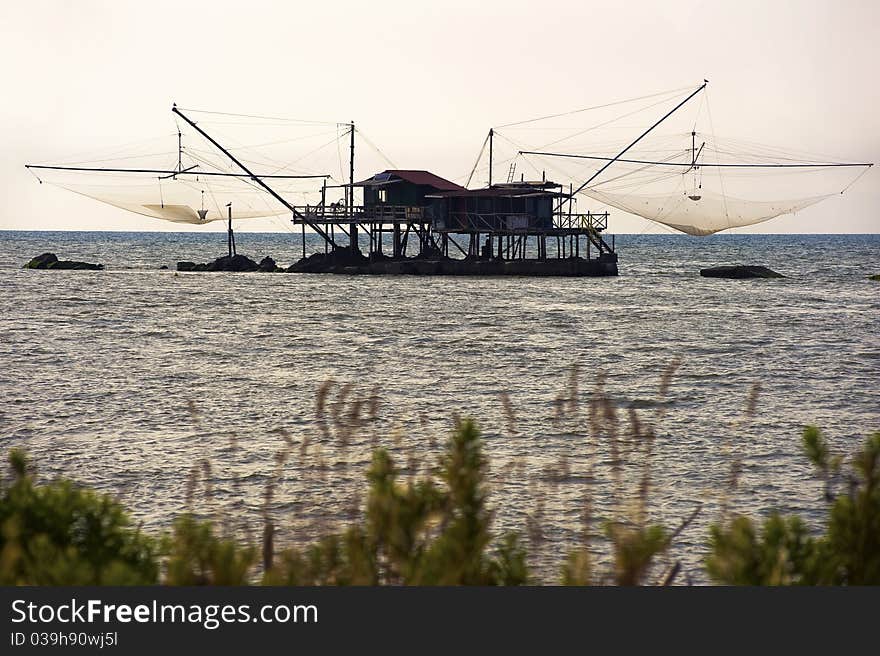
[267, 118]
[476, 163]
[375, 148]
[587, 109]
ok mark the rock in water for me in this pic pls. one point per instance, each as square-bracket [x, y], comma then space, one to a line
[268, 265]
[336, 260]
[875, 277]
[236, 263]
[42, 261]
[739, 272]
[51, 262]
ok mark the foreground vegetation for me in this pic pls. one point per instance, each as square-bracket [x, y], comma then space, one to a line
[433, 530]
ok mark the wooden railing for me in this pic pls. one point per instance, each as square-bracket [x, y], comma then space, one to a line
[467, 221]
[359, 213]
[597, 222]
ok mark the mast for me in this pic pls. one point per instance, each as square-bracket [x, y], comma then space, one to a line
[351, 173]
[491, 139]
[353, 230]
[253, 177]
[231, 236]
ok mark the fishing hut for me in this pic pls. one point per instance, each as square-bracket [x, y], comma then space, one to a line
[414, 221]
[432, 225]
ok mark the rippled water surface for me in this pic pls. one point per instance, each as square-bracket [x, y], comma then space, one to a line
[99, 370]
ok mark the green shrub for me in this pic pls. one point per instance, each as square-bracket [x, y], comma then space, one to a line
[61, 534]
[195, 556]
[418, 533]
[783, 553]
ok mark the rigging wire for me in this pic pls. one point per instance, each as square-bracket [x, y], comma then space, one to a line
[375, 148]
[720, 176]
[267, 118]
[476, 163]
[587, 109]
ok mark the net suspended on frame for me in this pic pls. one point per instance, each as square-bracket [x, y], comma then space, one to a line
[676, 175]
[184, 178]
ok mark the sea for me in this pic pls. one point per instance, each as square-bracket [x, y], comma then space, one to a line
[203, 391]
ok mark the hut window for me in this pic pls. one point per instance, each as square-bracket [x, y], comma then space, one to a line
[383, 195]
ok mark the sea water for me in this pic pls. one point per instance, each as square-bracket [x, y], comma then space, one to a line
[132, 378]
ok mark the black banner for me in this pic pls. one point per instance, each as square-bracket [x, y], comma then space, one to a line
[413, 620]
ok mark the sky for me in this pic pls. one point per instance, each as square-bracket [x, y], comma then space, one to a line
[425, 80]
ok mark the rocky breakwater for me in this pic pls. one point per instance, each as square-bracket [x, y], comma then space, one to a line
[50, 262]
[236, 264]
[346, 262]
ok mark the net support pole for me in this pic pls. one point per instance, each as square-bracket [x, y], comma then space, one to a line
[353, 235]
[491, 140]
[230, 239]
[638, 139]
[253, 177]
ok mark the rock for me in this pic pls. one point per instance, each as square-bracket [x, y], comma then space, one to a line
[739, 272]
[876, 277]
[268, 265]
[51, 261]
[346, 263]
[42, 261]
[164, 267]
[334, 261]
[236, 263]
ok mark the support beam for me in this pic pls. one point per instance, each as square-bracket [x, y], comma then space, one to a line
[635, 141]
[253, 177]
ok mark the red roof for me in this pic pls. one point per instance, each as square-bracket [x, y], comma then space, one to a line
[502, 191]
[414, 177]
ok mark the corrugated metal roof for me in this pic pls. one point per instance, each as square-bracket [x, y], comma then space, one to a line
[414, 177]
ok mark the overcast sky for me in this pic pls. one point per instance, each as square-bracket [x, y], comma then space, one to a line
[425, 80]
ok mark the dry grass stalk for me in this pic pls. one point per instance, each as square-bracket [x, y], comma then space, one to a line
[321, 406]
[665, 381]
[535, 526]
[192, 481]
[373, 403]
[281, 457]
[671, 573]
[194, 412]
[686, 522]
[573, 391]
[644, 489]
[509, 414]
[735, 455]
[586, 517]
[558, 410]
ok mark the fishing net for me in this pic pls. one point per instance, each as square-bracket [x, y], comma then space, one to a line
[703, 213]
[680, 174]
[183, 177]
